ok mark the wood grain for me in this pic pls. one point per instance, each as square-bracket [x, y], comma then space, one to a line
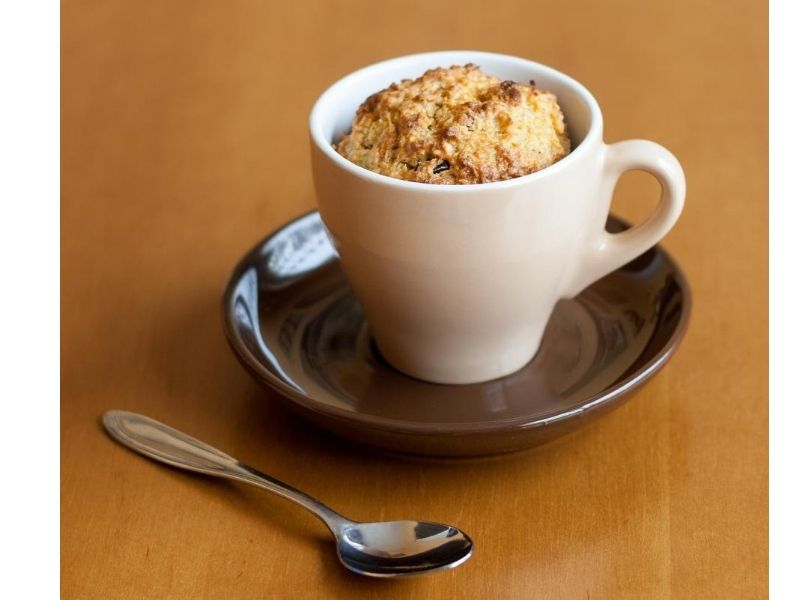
[184, 141]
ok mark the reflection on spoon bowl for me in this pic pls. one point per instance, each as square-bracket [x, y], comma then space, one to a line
[394, 548]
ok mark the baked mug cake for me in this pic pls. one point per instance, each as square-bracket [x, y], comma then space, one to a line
[464, 202]
[457, 125]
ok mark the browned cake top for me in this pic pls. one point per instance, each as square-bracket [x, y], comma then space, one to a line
[457, 125]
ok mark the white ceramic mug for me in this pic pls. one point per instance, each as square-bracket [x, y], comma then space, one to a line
[458, 281]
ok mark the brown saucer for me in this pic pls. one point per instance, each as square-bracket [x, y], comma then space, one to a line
[294, 323]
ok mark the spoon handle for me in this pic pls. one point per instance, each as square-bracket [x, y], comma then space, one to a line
[165, 444]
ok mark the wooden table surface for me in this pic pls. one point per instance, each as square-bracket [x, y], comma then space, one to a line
[184, 142]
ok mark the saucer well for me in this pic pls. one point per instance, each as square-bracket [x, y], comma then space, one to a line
[294, 323]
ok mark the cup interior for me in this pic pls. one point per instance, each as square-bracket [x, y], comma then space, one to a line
[333, 113]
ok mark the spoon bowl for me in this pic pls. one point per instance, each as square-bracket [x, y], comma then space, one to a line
[384, 549]
[392, 548]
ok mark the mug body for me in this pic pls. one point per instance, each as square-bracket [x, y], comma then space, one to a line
[458, 281]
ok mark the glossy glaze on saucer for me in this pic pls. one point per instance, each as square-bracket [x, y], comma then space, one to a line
[293, 322]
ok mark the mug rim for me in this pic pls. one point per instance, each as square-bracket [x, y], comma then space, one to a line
[326, 146]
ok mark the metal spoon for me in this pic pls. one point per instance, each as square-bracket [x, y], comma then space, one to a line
[386, 549]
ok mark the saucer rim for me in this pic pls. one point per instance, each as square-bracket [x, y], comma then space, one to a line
[306, 402]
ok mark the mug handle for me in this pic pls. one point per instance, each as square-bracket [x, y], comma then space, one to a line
[604, 252]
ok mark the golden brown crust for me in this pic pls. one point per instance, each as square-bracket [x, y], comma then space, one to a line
[457, 125]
